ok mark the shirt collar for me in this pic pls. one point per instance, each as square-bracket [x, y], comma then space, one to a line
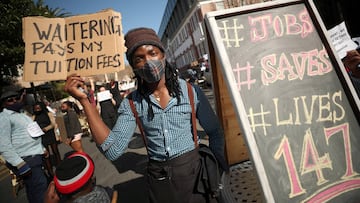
[7, 111]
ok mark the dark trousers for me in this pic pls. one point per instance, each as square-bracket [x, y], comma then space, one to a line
[174, 181]
[36, 183]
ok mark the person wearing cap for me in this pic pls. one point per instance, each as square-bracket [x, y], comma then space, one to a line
[22, 152]
[74, 181]
[164, 110]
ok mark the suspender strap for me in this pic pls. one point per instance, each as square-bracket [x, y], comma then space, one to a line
[193, 115]
[133, 109]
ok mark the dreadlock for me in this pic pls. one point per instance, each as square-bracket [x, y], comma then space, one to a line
[172, 84]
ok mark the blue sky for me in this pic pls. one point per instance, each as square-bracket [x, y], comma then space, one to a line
[135, 13]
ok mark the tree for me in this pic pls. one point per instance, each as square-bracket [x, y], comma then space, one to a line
[12, 47]
[11, 44]
[44, 10]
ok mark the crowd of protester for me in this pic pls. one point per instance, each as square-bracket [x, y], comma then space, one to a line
[36, 161]
[71, 178]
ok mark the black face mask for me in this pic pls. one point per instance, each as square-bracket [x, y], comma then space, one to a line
[17, 106]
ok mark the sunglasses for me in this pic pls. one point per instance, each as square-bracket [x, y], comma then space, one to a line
[12, 99]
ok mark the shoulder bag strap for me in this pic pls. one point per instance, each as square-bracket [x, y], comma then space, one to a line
[193, 115]
[133, 109]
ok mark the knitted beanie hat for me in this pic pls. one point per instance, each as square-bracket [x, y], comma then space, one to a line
[73, 173]
[138, 37]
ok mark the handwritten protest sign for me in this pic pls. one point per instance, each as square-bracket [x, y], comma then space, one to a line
[86, 44]
[341, 40]
[294, 101]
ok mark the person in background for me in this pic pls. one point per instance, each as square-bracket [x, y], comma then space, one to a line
[54, 113]
[89, 89]
[113, 86]
[191, 75]
[333, 13]
[22, 151]
[352, 64]
[72, 125]
[46, 121]
[74, 181]
[164, 109]
[108, 110]
[49, 108]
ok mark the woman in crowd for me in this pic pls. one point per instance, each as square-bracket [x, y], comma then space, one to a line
[72, 126]
[46, 121]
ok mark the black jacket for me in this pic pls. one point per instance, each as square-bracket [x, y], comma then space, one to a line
[209, 178]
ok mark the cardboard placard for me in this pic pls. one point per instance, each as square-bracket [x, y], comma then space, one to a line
[90, 44]
[294, 100]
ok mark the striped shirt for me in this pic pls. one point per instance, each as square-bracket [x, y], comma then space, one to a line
[169, 134]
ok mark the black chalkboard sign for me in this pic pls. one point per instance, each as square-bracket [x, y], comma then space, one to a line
[294, 101]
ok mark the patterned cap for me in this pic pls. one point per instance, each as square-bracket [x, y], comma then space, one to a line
[73, 173]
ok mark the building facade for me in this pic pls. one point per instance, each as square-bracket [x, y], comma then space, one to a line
[182, 29]
[182, 26]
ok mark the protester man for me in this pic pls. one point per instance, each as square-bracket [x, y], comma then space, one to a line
[20, 147]
[164, 108]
